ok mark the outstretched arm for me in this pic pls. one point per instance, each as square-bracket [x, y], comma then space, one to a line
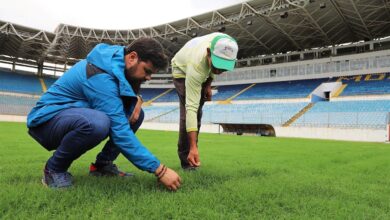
[103, 96]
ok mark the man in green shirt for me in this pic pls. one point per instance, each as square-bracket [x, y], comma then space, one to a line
[193, 70]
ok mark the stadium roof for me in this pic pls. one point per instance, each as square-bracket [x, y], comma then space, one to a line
[260, 27]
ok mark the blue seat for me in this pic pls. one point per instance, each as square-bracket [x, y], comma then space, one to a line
[225, 92]
[15, 105]
[154, 111]
[263, 113]
[148, 93]
[273, 90]
[169, 97]
[367, 87]
[357, 114]
[49, 81]
[19, 83]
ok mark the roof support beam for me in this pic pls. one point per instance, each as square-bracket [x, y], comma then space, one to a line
[361, 19]
[273, 23]
[191, 23]
[340, 14]
[317, 26]
[246, 31]
[387, 6]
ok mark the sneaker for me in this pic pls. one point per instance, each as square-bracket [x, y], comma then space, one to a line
[108, 169]
[56, 180]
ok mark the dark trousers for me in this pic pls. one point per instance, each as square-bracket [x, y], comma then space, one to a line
[73, 132]
[183, 145]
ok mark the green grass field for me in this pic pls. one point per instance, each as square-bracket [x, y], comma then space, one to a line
[242, 177]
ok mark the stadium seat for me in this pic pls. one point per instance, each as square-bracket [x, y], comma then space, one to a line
[366, 87]
[16, 105]
[18, 83]
[356, 114]
[273, 90]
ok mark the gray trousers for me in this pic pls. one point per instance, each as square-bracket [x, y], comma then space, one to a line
[183, 145]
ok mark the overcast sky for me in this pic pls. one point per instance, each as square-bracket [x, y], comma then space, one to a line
[108, 14]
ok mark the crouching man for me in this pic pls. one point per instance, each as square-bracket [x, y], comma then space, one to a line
[92, 101]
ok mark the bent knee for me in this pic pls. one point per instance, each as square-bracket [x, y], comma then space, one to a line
[100, 125]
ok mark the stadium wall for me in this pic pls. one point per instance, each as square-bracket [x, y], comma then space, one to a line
[367, 135]
[13, 118]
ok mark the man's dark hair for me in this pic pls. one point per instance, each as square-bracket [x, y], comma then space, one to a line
[149, 49]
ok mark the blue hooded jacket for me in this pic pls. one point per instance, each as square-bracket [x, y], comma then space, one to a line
[102, 92]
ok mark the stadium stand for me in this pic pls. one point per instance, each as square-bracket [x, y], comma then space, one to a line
[371, 84]
[149, 93]
[159, 95]
[171, 96]
[261, 113]
[16, 105]
[225, 92]
[18, 83]
[49, 81]
[281, 90]
[356, 85]
[369, 114]
[156, 112]
[356, 114]
[351, 114]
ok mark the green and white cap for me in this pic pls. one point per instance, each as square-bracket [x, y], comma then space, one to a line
[224, 52]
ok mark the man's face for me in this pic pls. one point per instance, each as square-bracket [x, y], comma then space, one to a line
[138, 70]
[214, 70]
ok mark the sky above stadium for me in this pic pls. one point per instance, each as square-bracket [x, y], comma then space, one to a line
[108, 14]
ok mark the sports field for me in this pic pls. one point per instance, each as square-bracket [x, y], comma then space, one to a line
[242, 177]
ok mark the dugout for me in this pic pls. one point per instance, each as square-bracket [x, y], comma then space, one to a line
[248, 129]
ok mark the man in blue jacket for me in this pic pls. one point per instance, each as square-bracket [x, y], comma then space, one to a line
[93, 100]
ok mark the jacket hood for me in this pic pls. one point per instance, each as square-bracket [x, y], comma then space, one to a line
[110, 58]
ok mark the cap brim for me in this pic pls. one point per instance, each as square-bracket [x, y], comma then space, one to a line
[221, 63]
